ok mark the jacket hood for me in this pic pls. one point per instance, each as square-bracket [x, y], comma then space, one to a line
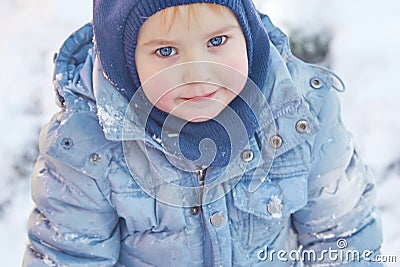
[68, 63]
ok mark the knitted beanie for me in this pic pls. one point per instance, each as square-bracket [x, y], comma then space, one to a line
[116, 25]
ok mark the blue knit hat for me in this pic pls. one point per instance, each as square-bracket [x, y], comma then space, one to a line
[116, 25]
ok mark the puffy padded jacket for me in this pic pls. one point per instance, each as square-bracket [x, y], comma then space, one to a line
[315, 197]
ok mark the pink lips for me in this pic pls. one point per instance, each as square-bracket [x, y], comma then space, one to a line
[201, 98]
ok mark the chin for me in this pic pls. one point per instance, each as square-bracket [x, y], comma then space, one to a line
[200, 119]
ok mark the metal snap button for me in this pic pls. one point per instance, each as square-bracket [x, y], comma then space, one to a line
[274, 207]
[217, 219]
[247, 155]
[316, 83]
[67, 143]
[302, 126]
[275, 141]
[95, 158]
[195, 210]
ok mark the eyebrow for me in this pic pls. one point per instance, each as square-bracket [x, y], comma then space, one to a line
[158, 42]
[164, 42]
[224, 29]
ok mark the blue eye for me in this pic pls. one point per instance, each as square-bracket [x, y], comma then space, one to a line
[166, 51]
[217, 41]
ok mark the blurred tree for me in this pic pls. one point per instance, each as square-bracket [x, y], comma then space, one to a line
[311, 47]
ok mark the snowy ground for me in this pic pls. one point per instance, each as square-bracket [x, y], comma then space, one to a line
[366, 38]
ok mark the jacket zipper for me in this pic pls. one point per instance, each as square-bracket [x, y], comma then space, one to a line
[201, 174]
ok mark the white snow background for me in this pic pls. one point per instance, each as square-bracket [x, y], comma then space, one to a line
[364, 52]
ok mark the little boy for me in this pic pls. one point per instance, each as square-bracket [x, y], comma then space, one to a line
[189, 135]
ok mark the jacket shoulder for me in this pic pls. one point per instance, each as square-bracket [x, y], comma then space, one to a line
[313, 82]
[77, 139]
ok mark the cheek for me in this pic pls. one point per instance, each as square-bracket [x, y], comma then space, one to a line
[235, 76]
[155, 93]
[159, 97]
[241, 65]
[157, 85]
[166, 102]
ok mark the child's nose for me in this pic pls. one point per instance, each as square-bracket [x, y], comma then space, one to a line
[197, 71]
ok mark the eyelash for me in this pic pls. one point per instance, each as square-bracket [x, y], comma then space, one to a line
[223, 37]
[158, 51]
[209, 44]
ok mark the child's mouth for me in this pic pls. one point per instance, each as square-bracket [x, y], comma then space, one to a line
[201, 98]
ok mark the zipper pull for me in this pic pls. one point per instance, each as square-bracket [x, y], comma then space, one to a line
[201, 174]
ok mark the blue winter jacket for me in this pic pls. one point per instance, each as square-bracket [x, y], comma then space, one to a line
[317, 197]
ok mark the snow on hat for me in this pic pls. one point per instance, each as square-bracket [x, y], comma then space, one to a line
[116, 25]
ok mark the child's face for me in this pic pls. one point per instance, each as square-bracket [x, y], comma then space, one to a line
[197, 91]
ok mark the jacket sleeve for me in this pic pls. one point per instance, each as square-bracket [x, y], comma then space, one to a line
[72, 224]
[340, 221]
